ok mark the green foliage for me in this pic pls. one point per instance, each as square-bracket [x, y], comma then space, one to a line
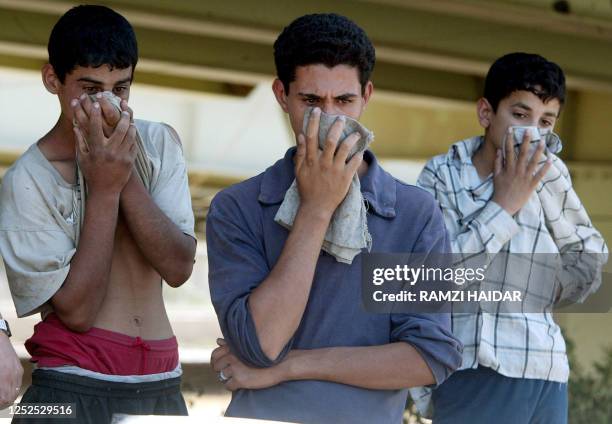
[590, 393]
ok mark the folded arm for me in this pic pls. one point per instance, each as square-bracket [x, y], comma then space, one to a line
[170, 251]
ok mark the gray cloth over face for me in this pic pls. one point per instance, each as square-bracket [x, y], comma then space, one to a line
[142, 165]
[348, 231]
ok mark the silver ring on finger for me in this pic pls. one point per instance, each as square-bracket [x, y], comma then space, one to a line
[222, 377]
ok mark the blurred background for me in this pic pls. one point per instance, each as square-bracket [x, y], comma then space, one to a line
[206, 69]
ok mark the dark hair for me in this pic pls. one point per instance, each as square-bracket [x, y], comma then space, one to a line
[93, 36]
[327, 39]
[524, 72]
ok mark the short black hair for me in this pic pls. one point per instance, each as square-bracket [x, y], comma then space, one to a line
[91, 36]
[524, 72]
[323, 38]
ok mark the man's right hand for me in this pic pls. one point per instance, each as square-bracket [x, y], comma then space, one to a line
[515, 181]
[323, 178]
[10, 373]
[106, 162]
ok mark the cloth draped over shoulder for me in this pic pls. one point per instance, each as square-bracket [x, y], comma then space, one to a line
[347, 232]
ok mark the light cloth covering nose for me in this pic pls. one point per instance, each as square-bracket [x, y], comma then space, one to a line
[347, 232]
[142, 165]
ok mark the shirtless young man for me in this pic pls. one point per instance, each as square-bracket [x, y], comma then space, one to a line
[105, 343]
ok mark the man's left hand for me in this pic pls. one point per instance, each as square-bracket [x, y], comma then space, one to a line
[238, 375]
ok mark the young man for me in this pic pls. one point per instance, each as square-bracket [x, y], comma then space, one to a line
[515, 368]
[105, 343]
[11, 370]
[300, 347]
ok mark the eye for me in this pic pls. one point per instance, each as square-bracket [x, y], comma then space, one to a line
[311, 101]
[91, 89]
[519, 115]
[547, 123]
[345, 101]
[119, 90]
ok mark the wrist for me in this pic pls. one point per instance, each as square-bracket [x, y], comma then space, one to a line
[131, 183]
[504, 206]
[106, 195]
[315, 213]
[299, 365]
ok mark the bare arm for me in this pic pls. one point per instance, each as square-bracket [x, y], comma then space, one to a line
[386, 367]
[169, 251]
[11, 372]
[278, 303]
[106, 165]
[166, 247]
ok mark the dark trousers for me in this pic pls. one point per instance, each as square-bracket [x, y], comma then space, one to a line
[95, 401]
[483, 396]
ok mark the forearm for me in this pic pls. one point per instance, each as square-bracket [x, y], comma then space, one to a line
[386, 367]
[164, 245]
[10, 372]
[79, 299]
[278, 303]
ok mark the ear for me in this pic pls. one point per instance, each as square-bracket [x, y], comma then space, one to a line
[367, 93]
[50, 79]
[281, 96]
[485, 112]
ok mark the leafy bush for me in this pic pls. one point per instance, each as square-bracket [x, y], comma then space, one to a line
[590, 393]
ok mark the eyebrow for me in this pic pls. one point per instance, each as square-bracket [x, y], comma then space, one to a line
[344, 96]
[94, 81]
[524, 106]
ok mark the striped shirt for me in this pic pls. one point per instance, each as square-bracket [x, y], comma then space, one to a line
[521, 345]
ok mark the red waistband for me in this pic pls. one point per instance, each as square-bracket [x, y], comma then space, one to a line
[99, 350]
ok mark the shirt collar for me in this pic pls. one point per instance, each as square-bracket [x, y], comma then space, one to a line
[377, 185]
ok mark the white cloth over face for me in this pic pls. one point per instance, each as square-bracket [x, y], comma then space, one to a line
[348, 231]
[39, 215]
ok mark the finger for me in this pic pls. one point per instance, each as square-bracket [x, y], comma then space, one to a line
[80, 117]
[312, 136]
[128, 144]
[345, 148]
[232, 385]
[95, 124]
[86, 103]
[300, 153]
[121, 129]
[222, 363]
[331, 141]
[354, 164]
[218, 353]
[535, 159]
[509, 148]
[228, 372]
[543, 170]
[498, 162]
[109, 111]
[524, 150]
[80, 141]
[125, 107]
